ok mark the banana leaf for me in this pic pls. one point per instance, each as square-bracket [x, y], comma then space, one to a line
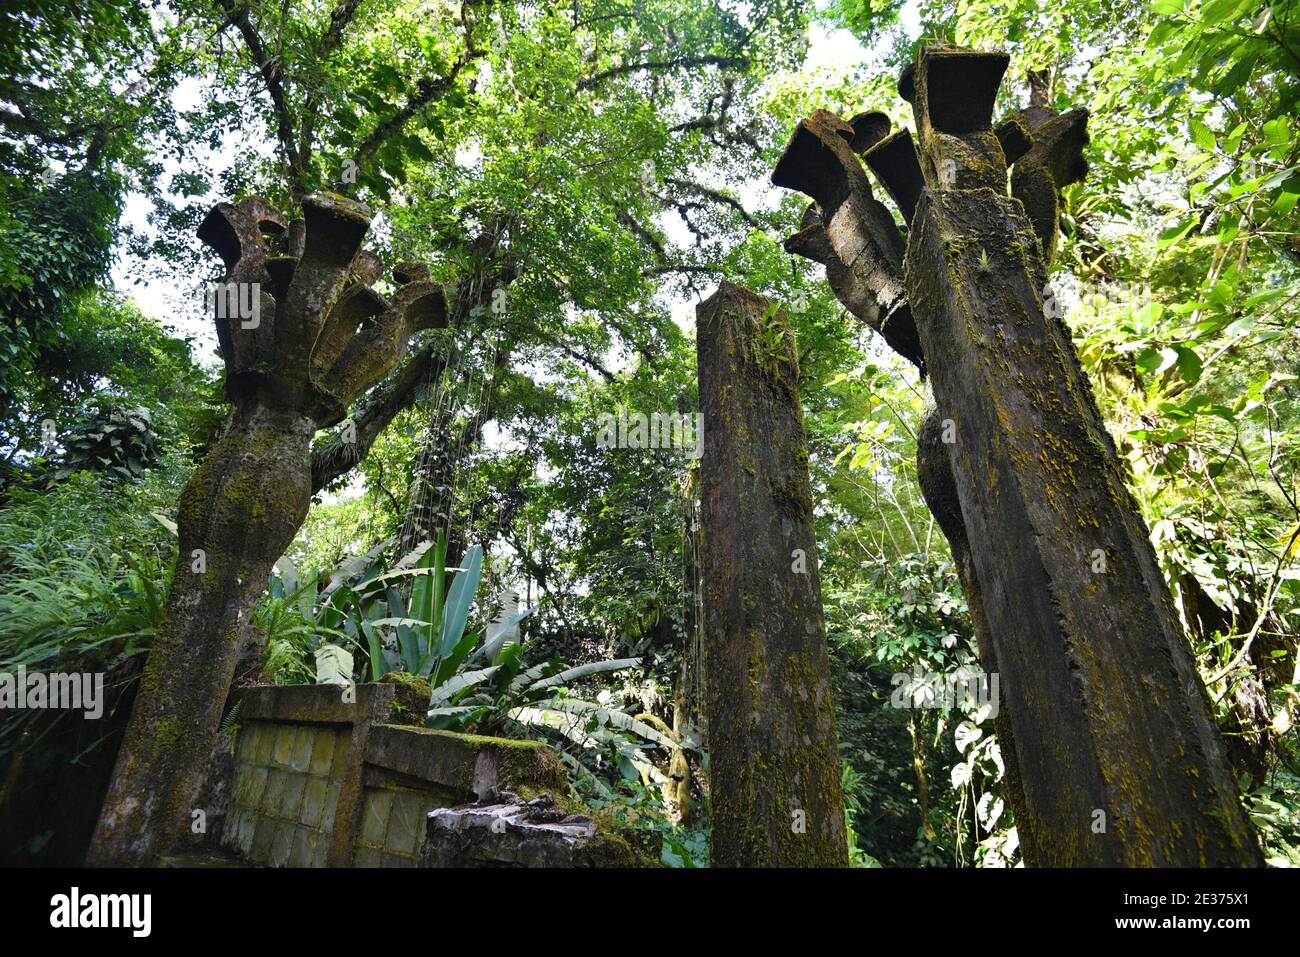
[448, 666]
[455, 718]
[609, 716]
[448, 689]
[492, 647]
[535, 673]
[354, 567]
[583, 671]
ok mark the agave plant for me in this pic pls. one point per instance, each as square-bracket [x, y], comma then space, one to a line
[296, 622]
[476, 679]
[362, 605]
[424, 634]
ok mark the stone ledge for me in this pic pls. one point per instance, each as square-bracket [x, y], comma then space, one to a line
[316, 704]
[510, 834]
[473, 765]
[321, 782]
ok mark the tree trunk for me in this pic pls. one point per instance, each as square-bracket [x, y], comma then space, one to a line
[934, 472]
[774, 763]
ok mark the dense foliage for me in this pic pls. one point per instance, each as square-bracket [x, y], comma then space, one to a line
[578, 175]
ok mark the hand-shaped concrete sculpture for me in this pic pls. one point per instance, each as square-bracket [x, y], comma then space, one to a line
[1112, 754]
[312, 337]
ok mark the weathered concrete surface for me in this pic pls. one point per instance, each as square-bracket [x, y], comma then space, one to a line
[856, 238]
[1111, 724]
[1054, 160]
[774, 766]
[318, 704]
[475, 766]
[410, 771]
[298, 784]
[817, 163]
[319, 781]
[313, 338]
[514, 833]
[1116, 748]
[288, 781]
[1121, 762]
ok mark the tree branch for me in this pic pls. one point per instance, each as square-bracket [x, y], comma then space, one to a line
[717, 197]
[710, 120]
[427, 90]
[273, 77]
[330, 41]
[723, 62]
[333, 457]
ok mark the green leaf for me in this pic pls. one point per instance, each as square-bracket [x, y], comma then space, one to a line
[459, 598]
[1277, 131]
[611, 717]
[439, 582]
[1154, 362]
[411, 649]
[450, 663]
[1189, 364]
[1217, 11]
[448, 689]
[493, 645]
[585, 671]
[375, 650]
[426, 600]
[1202, 136]
[1175, 234]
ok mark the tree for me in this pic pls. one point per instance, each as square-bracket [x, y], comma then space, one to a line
[244, 505]
[84, 89]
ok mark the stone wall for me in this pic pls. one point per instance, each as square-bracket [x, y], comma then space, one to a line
[287, 783]
[321, 781]
[298, 762]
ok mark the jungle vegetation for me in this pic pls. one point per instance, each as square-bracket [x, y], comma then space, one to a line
[577, 176]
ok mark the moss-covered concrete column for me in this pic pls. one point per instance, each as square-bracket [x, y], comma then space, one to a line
[302, 334]
[1118, 753]
[774, 765]
[855, 237]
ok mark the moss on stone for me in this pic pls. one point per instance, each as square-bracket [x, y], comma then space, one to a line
[618, 845]
[410, 698]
